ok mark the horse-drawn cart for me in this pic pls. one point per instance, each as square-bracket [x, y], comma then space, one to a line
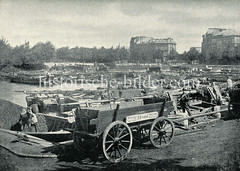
[113, 131]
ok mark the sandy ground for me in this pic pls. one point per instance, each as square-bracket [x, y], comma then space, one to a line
[216, 148]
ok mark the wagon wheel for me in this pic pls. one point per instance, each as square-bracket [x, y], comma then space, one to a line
[84, 144]
[117, 141]
[161, 132]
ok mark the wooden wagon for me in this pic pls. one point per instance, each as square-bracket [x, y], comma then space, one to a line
[114, 130]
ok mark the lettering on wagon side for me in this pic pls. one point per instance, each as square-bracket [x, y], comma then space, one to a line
[141, 117]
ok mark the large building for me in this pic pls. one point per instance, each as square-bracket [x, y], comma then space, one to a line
[218, 40]
[142, 48]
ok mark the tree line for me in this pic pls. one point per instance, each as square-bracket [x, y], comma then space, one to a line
[230, 55]
[99, 55]
[26, 57]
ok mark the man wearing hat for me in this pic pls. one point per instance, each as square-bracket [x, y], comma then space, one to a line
[33, 117]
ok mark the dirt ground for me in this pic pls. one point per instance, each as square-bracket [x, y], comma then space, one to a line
[216, 148]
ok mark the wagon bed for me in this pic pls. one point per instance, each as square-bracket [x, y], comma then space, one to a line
[114, 130]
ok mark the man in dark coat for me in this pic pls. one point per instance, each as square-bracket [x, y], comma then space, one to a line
[184, 99]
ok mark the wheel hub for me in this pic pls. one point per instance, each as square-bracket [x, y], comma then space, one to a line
[162, 133]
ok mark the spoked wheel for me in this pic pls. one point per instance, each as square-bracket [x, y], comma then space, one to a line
[84, 144]
[117, 141]
[161, 132]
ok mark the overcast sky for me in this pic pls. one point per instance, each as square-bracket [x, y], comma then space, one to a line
[110, 23]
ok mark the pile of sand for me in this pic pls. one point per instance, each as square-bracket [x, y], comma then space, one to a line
[9, 114]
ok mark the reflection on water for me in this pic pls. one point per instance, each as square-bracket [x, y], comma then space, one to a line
[10, 91]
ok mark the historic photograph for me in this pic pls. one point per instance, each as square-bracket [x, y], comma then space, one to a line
[131, 85]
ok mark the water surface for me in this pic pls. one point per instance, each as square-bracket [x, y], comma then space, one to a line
[12, 91]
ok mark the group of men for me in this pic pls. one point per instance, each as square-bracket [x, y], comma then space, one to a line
[184, 98]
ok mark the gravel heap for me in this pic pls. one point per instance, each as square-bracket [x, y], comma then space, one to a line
[9, 114]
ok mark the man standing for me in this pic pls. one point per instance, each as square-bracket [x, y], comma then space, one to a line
[33, 118]
[184, 99]
[229, 83]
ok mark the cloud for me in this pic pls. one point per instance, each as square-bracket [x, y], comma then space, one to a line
[106, 23]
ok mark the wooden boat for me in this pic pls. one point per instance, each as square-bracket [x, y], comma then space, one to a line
[25, 80]
[34, 80]
[24, 145]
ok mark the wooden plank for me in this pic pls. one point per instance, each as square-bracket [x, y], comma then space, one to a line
[168, 107]
[25, 145]
[82, 119]
[109, 106]
[115, 113]
[199, 115]
[133, 110]
[105, 117]
[197, 107]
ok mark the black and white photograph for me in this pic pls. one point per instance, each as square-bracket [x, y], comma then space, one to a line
[128, 85]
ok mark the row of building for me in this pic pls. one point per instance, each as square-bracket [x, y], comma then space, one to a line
[216, 40]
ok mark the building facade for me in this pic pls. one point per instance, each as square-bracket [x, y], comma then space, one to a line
[218, 40]
[142, 47]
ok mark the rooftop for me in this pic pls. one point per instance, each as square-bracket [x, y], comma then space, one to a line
[222, 32]
[146, 40]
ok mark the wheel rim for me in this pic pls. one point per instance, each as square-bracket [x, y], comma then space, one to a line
[161, 132]
[117, 141]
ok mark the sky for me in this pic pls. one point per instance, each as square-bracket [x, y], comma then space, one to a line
[86, 23]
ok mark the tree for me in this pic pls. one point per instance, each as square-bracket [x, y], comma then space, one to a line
[19, 54]
[5, 50]
[213, 58]
[192, 55]
[123, 54]
[44, 51]
[63, 53]
[237, 53]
